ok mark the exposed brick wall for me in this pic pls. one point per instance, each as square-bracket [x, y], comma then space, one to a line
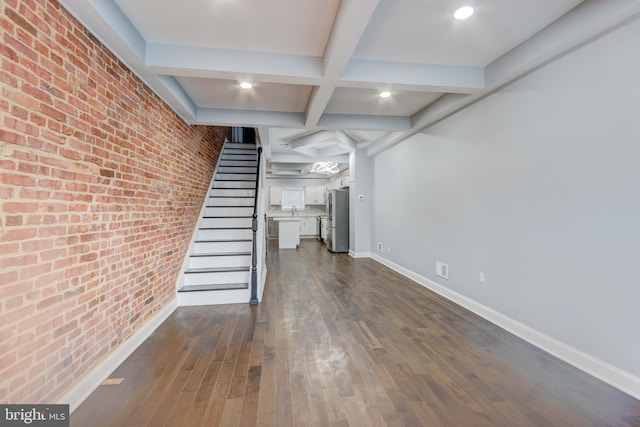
[100, 188]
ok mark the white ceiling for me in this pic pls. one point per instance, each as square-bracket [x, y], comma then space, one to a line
[319, 65]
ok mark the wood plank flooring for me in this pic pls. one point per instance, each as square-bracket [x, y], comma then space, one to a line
[343, 342]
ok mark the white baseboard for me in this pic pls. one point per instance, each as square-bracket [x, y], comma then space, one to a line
[90, 382]
[606, 372]
[354, 254]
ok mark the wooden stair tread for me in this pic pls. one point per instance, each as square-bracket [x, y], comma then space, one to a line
[220, 254]
[222, 240]
[227, 216]
[214, 287]
[216, 270]
[224, 228]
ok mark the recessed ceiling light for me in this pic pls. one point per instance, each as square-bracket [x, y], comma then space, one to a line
[385, 94]
[246, 85]
[463, 13]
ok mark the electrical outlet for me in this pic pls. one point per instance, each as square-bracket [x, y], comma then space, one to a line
[442, 270]
[481, 278]
[388, 249]
[380, 246]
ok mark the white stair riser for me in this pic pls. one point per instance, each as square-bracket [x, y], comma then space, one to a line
[220, 234]
[217, 278]
[225, 222]
[229, 150]
[236, 169]
[229, 163]
[227, 211]
[220, 261]
[241, 145]
[240, 192]
[236, 157]
[209, 247]
[229, 201]
[234, 184]
[235, 296]
[236, 176]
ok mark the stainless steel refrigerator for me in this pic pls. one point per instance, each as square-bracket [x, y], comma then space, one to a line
[338, 220]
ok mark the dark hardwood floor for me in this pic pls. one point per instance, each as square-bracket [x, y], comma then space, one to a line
[343, 342]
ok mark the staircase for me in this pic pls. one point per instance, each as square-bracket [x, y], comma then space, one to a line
[218, 266]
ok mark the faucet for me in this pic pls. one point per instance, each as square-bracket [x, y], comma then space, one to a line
[293, 210]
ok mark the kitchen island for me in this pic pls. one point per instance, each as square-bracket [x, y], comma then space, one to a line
[289, 232]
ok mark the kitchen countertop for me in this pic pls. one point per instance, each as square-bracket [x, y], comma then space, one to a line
[287, 214]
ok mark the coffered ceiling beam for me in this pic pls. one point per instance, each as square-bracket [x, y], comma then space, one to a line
[348, 27]
[415, 77]
[242, 118]
[188, 61]
[357, 122]
[300, 158]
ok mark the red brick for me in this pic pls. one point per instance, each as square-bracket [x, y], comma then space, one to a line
[6, 193]
[37, 245]
[29, 194]
[17, 179]
[52, 112]
[84, 188]
[18, 234]
[20, 20]
[8, 277]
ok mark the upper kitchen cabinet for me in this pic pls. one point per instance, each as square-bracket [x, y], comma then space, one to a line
[275, 195]
[314, 196]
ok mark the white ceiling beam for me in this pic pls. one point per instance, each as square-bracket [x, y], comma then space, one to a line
[587, 20]
[357, 122]
[349, 26]
[322, 137]
[189, 61]
[220, 117]
[172, 93]
[300, 158]
[351, 21]
[415, 77]
[384, 142]
[320, 97]
[106, 21]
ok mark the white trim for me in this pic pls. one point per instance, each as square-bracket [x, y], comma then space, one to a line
[610, 374]
[91, 381]
[231, 296]
[355, 254]
[263, 280]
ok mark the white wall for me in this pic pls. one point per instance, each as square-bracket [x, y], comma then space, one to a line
[360, 208]
[538, 187]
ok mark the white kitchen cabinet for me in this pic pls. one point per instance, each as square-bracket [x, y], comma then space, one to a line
[275, 195]
[309, 227]
[314, 196]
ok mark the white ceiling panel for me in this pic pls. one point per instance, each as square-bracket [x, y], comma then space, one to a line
[276, 26]
[227, 94]
[423, 31]
[369, 102]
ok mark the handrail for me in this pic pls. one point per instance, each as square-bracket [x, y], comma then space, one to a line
[254, 229]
